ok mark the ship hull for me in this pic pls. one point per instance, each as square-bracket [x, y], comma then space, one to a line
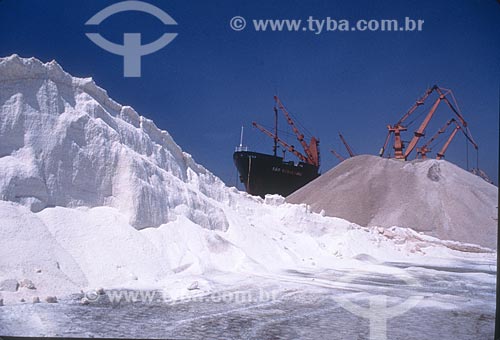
[263, 174]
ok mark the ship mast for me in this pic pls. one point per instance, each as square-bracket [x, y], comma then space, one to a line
[311, 150]
[285, 145]
[275, 147]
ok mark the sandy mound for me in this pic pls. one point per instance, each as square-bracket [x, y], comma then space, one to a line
[435, 197]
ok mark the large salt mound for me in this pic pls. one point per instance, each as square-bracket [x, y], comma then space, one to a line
[435, 197]
[64, 142]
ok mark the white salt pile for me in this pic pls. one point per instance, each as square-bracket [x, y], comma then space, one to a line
[435, 197]
[94, 195]
[64, 142]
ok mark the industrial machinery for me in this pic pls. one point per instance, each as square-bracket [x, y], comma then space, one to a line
[348, 148]
[270, 174]
[311, 150]
[426, 148]
[401, 151]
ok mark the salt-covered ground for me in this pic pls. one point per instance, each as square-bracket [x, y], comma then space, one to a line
[94, 195]
[453, 303]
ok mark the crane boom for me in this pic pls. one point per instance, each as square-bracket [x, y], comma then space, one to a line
[398, 127]
[465, 128]
[336, 154]
[311, 150]
[349, 150]
[400, 152]
[387, 138]
[422, 151]
[290, 148]
[421, 129]
[440, 154]
[418, 103]
[450, 105]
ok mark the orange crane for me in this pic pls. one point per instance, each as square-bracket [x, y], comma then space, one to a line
[290, 148]
[396, 129]
[440, 154]
[336, 154]
[311, 150]
[422, 151]
[348, 148]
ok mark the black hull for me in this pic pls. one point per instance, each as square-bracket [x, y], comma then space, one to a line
[267, 174]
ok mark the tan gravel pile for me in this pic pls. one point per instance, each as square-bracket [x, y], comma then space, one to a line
[435, 197]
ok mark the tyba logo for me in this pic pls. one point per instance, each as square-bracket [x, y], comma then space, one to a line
[131, 50]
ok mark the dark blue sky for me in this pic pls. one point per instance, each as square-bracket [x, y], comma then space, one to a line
[211, 80]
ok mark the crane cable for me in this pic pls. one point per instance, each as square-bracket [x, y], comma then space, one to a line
[477, 159]
[415, 118]
[437, 141]
[302, 127]
[467, 153]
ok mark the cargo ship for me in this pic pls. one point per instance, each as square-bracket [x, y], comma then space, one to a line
[263, 174]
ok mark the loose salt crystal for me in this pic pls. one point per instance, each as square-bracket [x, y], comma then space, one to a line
[193, 286]
[51, 299]
[25, 283]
